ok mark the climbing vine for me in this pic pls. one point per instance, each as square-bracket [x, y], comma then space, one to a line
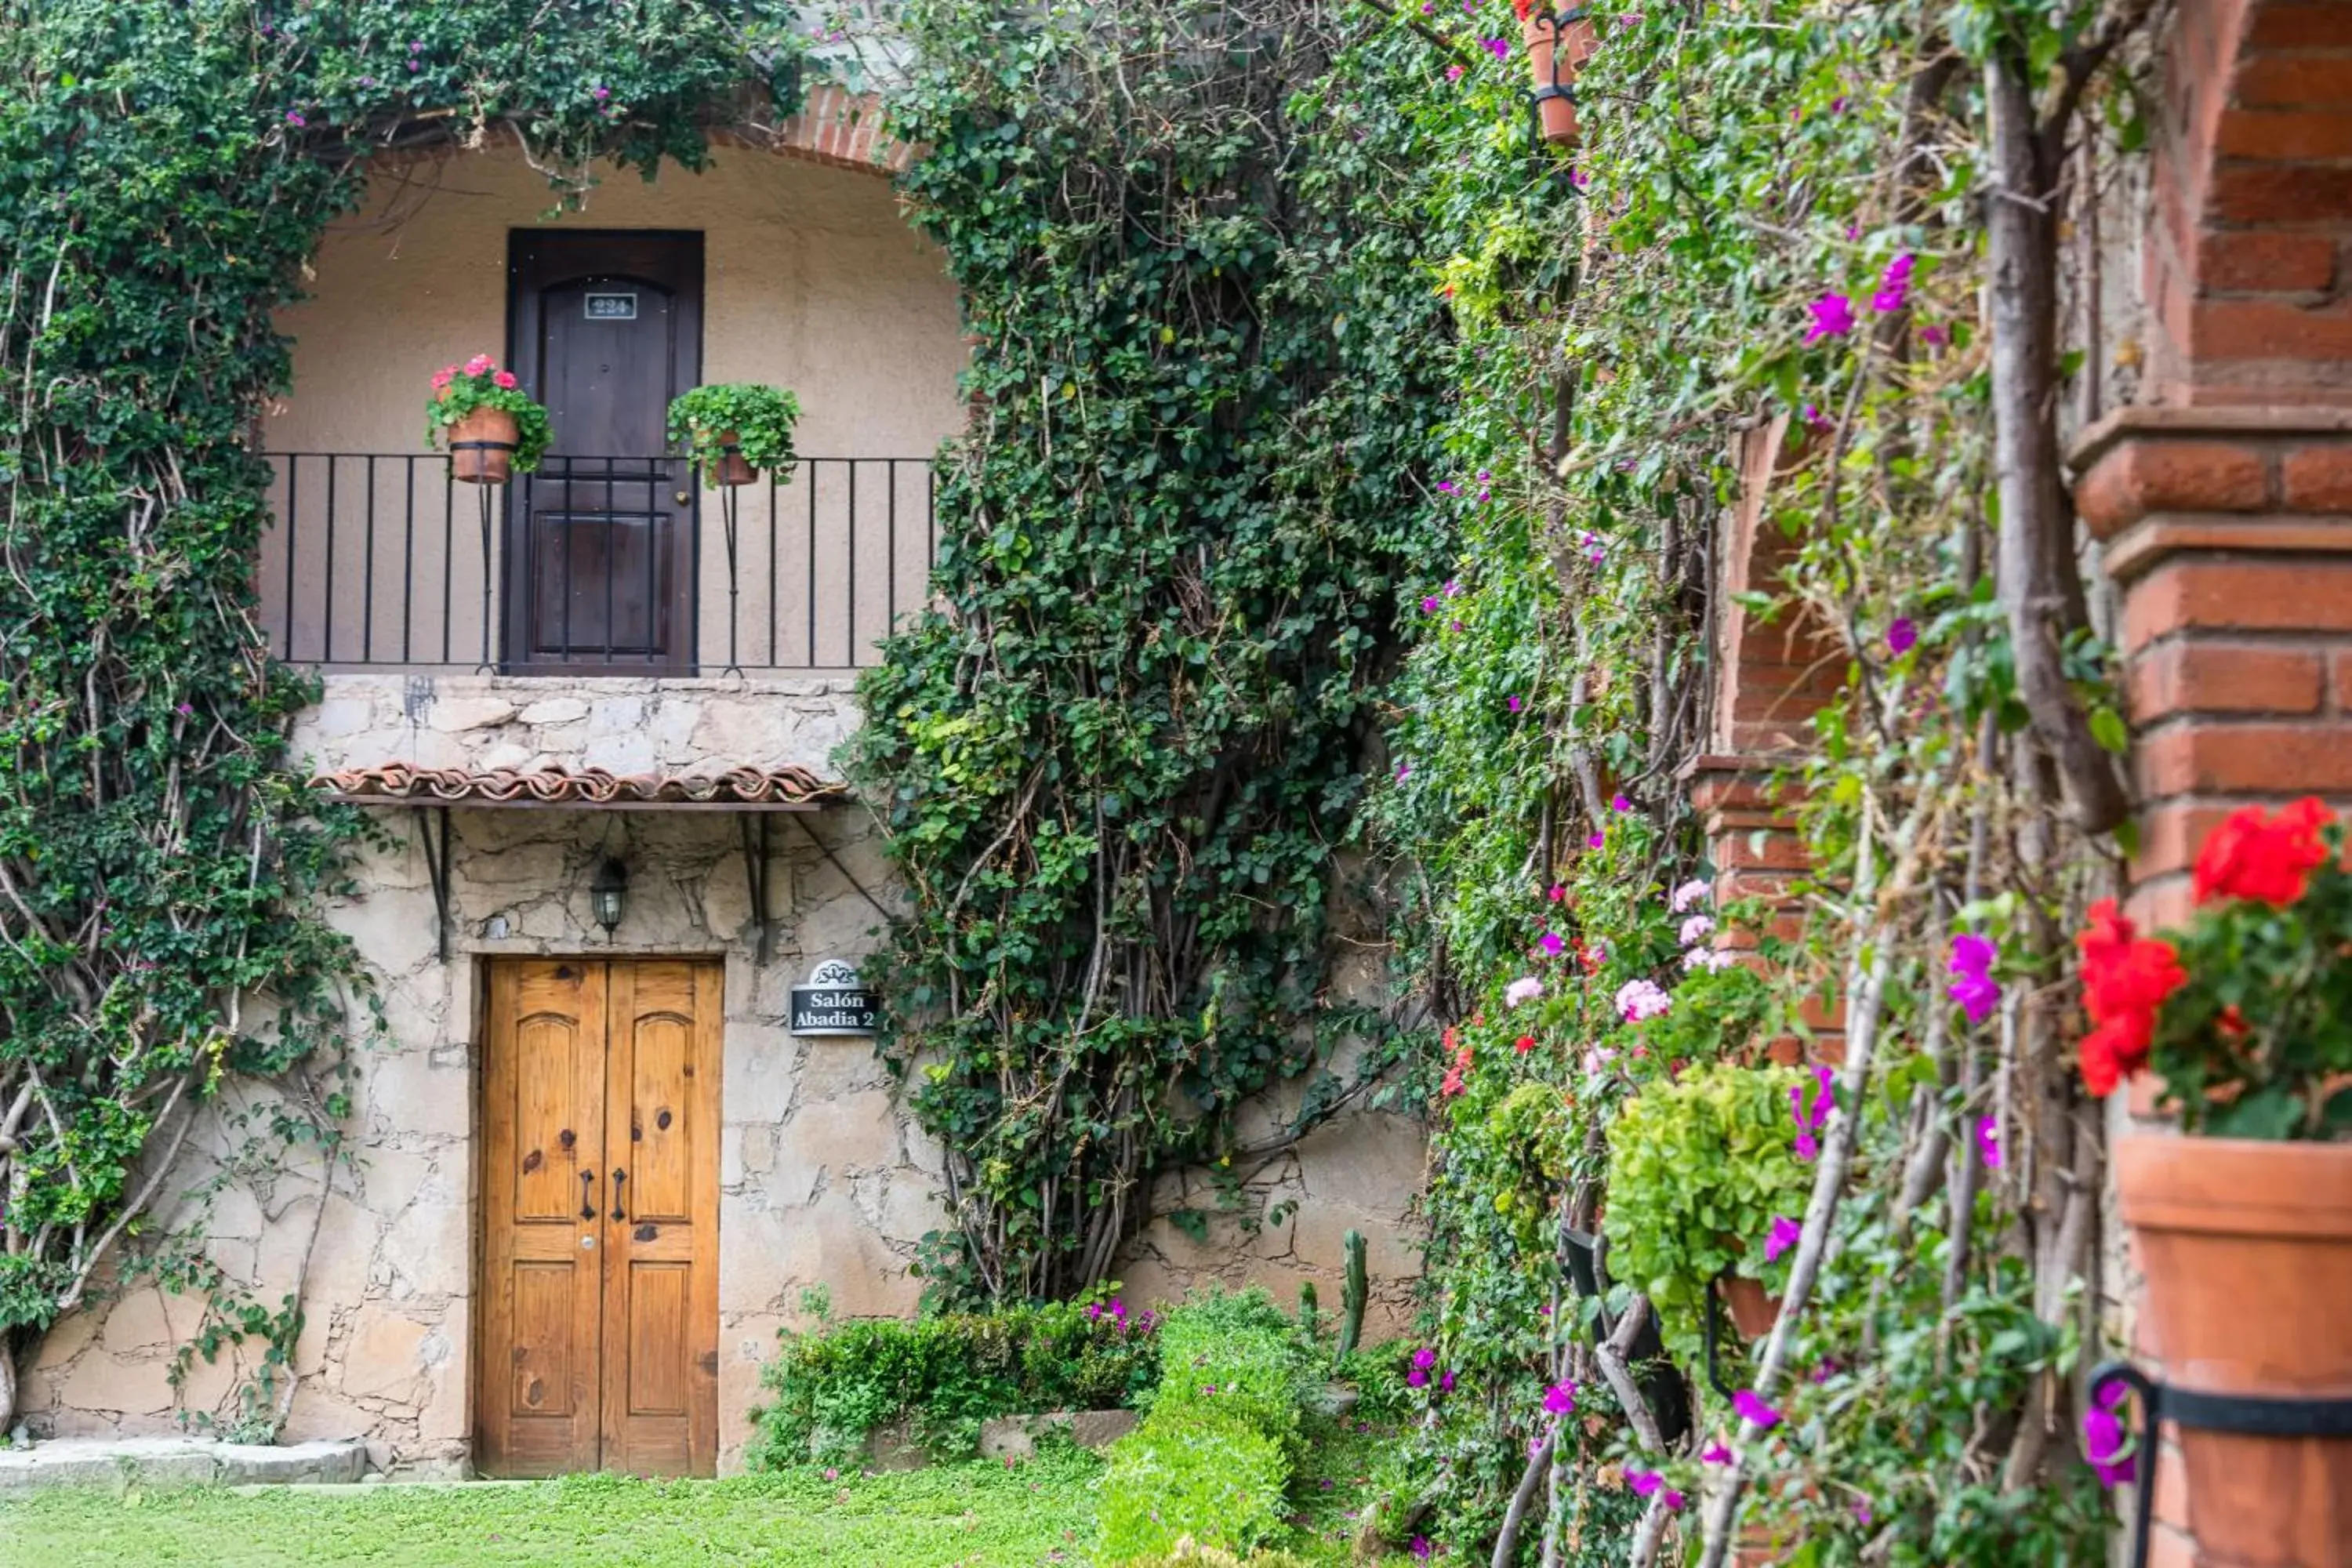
[1120, 766]
[1760, 282]
[166, 169]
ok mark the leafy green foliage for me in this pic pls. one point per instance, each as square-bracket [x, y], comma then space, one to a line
[1698, 1169]
[758, 419]
[1120, 763]
[166, 168]
[946, 1375]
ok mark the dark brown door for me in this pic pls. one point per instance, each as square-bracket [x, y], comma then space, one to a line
[607, 328]
[598, 1340]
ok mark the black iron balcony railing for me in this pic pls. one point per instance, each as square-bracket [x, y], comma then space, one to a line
[591, 566]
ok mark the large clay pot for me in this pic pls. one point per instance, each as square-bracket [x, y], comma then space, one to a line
[1545, 37]
[729, 468]
[482, 446]
[2247, 1251]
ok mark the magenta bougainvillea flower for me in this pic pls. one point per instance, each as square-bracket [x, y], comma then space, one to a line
[1512, 703]
[1553, 943]
[1429, 605]
[1833, 318]
[1753, 1408]
[1559, 891]
[2103, 1438]
[1893, 287]
[1932, 336]
[1901, 635]
[1717, 1454]
[1785, 1235]
[1988, 1141]
[1560, 1399]
[1619, 802]
[1595, 840]
[1810, 1104]
[1975, 990]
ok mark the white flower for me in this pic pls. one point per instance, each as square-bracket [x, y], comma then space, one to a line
[1709, 959]
[1640, 999]
[1689, 893]
[1525, 988]
[1697, 928]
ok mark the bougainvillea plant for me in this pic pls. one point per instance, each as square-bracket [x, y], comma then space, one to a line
[2246, 1014]
[459, 390]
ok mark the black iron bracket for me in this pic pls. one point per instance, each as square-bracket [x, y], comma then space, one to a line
[726, 507]
[437, 867]
[757, 848]
[825, 851]
[487, 666]
[2246, 1415]
[1715, 1332]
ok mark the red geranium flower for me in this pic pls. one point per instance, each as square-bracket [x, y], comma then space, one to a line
[2126, 978]
[2269, 858]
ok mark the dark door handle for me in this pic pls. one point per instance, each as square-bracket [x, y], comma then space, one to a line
[619, 1176]
[587, 1194]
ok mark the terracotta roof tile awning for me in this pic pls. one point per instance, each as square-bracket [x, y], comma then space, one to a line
[737, 789]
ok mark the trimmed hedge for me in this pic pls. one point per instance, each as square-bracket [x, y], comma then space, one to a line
[947, 1374]
[1209, 1468]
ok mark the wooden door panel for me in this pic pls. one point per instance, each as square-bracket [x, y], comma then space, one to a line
[661, 1324]
[537, 1384]
[660, 1300]
[605, 328]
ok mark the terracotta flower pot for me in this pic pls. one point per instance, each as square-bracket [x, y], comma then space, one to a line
[1544, 41]
[2247, 1250]
[482, 446]
[729, 468]
[1753, 1313]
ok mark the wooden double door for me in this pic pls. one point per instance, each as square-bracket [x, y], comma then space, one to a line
[598, 1312]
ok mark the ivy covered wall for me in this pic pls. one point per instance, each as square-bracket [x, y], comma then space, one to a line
[165, 171]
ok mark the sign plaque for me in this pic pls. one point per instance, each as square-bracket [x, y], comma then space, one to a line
[611, 305]
[834, 1001]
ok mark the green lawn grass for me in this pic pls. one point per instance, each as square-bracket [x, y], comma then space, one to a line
[977, 1516]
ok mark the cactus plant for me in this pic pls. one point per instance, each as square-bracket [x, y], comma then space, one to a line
[1353, 1294]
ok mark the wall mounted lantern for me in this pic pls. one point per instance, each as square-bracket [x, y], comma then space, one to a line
[608, 895]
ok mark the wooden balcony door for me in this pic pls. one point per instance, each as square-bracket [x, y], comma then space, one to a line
[606, 328]
[598, 1311]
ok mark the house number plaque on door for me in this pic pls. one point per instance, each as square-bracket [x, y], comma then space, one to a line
[833, 1002]
[612, 306]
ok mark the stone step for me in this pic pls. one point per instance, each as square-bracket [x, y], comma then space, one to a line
[176, 1461]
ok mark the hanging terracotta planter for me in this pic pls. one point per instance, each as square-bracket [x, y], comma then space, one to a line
[1557, 45]
[729, 466]
[2247, 1250]
[1753, 1313]
[482, 446]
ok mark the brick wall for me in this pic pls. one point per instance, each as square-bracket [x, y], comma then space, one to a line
[2225, 515]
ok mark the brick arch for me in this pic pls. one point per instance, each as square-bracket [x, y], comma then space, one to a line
[2252, 205]
[835, 127]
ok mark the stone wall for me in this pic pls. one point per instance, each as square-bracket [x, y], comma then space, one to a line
[823, 1182]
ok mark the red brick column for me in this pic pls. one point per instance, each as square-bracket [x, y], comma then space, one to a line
[1770, 679]
[2228, 533]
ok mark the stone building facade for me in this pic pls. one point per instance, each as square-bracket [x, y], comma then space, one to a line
[402, 590]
